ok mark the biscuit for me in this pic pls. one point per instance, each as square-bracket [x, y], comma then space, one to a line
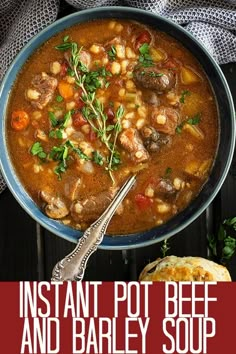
[173, 268]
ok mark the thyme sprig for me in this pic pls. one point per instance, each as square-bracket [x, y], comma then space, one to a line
[165, 248]
[114, 158]
[93, 111]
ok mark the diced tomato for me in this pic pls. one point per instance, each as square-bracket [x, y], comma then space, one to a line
[64, 67]
[110, 113]
[143, 37]
[78, 120]
[79, 102]
[170, 64]
[108, 67]
[143, 202]
[92, 135]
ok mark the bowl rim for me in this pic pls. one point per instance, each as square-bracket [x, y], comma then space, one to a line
[11, 177]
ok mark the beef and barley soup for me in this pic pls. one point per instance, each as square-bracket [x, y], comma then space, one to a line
[104, 100]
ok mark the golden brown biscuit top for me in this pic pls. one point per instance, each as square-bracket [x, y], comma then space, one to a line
[174, 268]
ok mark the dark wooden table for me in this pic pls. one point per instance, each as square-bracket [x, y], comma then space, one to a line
[28, 252]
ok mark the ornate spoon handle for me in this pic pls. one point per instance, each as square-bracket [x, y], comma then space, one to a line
[72, 267]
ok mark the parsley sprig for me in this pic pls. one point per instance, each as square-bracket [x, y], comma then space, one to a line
[222, 246]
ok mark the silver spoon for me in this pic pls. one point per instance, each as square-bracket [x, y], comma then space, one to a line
[72, 267]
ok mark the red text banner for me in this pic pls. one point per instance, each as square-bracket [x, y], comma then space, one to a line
[117, 317]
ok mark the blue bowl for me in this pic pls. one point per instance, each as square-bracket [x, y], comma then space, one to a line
[226, 138]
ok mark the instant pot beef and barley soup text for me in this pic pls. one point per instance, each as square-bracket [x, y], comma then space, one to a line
[101, 101]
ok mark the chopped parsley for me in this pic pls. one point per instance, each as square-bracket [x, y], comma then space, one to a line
[54, 121]
[37, 150]
[183, 95]
[195, 120]
[145, 58]
[112, 53]
[168, 172]
[98, 158]
[179, 128]
[153, 74]
[78, 151]
[92, 79]
[59, 124]
[62, 154]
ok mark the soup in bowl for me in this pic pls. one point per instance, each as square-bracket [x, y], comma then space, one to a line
[104, 95]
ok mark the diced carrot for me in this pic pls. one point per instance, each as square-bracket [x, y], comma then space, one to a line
[65, 89]
[19, 120]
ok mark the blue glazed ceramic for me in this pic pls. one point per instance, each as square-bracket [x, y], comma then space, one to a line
[226, 141]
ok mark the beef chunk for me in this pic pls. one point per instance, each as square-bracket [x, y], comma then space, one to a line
[151, 98]
[41, 91]
[154, 78]
[164, 120]
[164, 189]
[132, 142]
[90, 209]
[55, 207]
[85, 58]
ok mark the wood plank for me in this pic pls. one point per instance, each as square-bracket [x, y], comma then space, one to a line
[18, 244]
